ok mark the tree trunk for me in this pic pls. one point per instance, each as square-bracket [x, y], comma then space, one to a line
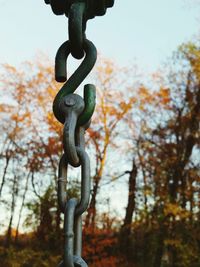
[91, 215]
[160, 247]
[4, 174]
[126, 227]
[9, 231]
[21, 208]
[183, 191]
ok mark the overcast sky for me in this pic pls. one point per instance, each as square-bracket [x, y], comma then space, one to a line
[142, 31]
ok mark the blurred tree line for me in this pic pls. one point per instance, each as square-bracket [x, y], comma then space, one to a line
[142, 137]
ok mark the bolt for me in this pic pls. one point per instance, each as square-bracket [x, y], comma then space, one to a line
[69, 101]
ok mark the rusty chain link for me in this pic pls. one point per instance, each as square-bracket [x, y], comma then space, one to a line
[75, 113]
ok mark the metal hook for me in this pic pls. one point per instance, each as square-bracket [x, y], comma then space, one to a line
[76, 79]
[90, 102]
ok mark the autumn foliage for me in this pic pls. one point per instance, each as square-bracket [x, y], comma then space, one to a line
[144, 148]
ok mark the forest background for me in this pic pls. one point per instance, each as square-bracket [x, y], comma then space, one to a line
[144, 148]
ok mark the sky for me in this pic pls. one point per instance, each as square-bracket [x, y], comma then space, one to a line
[141, 32]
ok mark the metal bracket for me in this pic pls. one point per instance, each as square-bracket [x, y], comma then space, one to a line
[93, 7]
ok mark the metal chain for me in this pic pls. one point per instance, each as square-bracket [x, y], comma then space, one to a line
[75, 113]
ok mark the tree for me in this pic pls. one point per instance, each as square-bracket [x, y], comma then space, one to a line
[28, 148]
[111, 110]
[168, 152]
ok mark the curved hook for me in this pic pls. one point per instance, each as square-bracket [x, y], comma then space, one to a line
[77, 77]
[90, 102]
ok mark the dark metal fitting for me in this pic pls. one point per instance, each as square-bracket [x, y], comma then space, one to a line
[110, 3]
[97, 7]
[58, 6]
[93, 7]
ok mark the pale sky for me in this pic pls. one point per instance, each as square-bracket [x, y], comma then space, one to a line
[145, 32]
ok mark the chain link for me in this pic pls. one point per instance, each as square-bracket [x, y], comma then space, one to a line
[75, 113]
